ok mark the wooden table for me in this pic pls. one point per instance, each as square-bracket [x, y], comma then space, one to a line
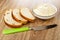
[50, 34]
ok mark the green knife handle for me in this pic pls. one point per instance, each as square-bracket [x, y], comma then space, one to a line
[14, 30]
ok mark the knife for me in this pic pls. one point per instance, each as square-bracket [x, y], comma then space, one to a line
[22, 29]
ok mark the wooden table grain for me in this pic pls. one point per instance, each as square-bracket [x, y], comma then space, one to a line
[50, 34]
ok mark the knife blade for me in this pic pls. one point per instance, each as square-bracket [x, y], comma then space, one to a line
[15, 30]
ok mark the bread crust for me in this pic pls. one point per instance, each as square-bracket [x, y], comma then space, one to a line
[16, 19]
[12, 26]
[31, 20]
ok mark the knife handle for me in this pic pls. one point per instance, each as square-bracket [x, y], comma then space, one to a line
[14, 30]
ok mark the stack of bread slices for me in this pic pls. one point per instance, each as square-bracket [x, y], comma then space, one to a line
[17, 17]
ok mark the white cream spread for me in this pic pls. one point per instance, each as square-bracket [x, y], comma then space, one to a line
[45, 10]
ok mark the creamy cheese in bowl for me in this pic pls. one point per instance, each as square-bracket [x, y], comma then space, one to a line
[45, 11]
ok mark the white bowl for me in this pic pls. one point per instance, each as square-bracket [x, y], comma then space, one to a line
[46, 17]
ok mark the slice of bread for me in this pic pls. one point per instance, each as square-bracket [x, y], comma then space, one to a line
[26, 13]
[16, 15]
[10, 21]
